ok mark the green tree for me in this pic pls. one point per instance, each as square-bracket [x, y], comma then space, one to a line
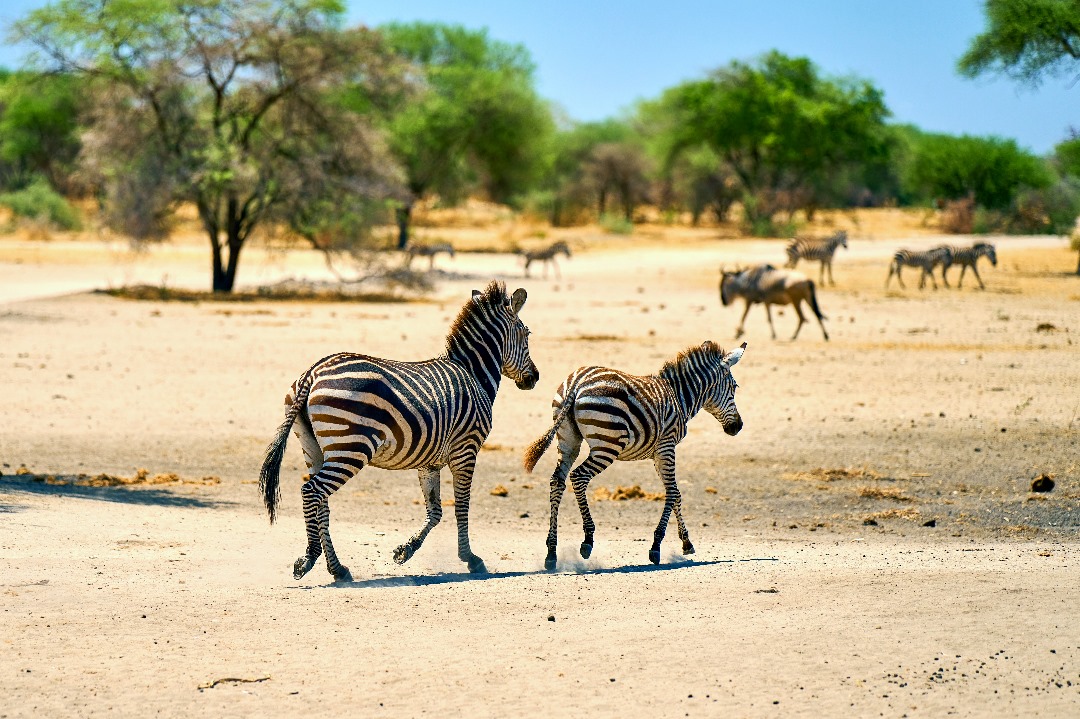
[225, 104]
[990, 169]
[39, 124]
[780, 127]
[1026, 40]
[474, 121]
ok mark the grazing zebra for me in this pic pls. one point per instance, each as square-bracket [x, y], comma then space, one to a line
[428, 251]
[547, 256]
[816, 249]
[967, 257]
[352, 410]
[626, 417]
[769, 286]
[926, 260]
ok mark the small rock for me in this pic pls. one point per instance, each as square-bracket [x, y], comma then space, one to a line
[524, 515]
[551, 617]
[870, 522]
[1042, 483]
[499, 491]
[930, 523]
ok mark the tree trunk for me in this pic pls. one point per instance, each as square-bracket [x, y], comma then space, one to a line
[403, 214]
[1078, 263]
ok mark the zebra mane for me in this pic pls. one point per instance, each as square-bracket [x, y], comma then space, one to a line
[493, 295]
[680, 364]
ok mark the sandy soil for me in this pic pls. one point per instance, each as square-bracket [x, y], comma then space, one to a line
[868, 545]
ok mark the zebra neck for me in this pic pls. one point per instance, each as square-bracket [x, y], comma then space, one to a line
[482, 363]
[688, 394]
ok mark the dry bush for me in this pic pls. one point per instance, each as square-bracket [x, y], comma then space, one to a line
[958, 216]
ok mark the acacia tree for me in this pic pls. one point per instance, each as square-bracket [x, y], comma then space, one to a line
[473, 121]
[39, 116]
[618, 169]
[220, 103]
[780, 127]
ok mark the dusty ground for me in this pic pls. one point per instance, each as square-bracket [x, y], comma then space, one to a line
[818, 587]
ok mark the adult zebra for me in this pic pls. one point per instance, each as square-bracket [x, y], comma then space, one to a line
[821, 250]
[626, 417]
[926, 260]
[967, 257]
[547, 256]
[352, 410]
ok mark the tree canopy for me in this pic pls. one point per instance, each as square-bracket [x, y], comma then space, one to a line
[473, 120]
[1026, 40]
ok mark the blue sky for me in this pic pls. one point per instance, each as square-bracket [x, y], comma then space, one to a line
[595, 58]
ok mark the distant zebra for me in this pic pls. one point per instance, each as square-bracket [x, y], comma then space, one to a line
[967, 257]
[547, 256]
[821, 250]
[626, 417]
[428, 251]
[352, 410]
[927, 261]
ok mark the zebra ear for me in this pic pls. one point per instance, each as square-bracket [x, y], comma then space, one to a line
[476, 294]
[518, 299]
[734, 356]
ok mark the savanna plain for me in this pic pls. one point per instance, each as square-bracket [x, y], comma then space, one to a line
[868, 545]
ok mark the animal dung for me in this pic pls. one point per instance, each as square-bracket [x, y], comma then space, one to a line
[1042, 483]
[499, 491]
[624, 493]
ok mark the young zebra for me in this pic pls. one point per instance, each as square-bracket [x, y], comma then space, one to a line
[927, 260]
[547, 256]
[967, 257]
[821, 250]
[626, 417]
[352, 410]
[429, 251]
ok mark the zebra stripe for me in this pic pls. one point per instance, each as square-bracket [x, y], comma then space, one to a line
[351, 410]
[926, 261]
[819, 250]
[967, 257]
[626, 417]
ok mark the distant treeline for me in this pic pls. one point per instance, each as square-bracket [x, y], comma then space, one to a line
[277, 113]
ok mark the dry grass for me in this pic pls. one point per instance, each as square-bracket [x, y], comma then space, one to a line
[911, 514]
[141, 476]
[172, 294]
[883, 493]
[625, 493]
[822, 474]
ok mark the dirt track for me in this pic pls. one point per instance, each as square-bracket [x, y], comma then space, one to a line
[926, 407]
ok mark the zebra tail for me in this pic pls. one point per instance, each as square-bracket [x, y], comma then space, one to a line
[813, 302]
[536, 450]
[270, 474]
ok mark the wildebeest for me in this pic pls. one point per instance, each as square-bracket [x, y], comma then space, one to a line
[764, 284]
[429, 251]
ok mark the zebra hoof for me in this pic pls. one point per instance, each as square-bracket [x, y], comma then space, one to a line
[302, 566]
[586, 550]
[688, 548]
[549, 562]
[654, 556]
[403, 554]
[343, 574]
[476, 565]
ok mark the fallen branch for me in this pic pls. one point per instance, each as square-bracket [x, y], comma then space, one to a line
[233, 680]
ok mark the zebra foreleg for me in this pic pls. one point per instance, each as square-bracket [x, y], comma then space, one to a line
[665, 467]
[429, 485]
[684, 534]
[975, 271]
[462, 467]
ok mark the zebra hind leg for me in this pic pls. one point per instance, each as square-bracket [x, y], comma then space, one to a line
[316, 498]
[569, 446]
[594, 464]
[429, 485]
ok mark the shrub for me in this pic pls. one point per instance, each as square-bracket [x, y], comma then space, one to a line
[616, 224]
[39, 201]
[1051, 211]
